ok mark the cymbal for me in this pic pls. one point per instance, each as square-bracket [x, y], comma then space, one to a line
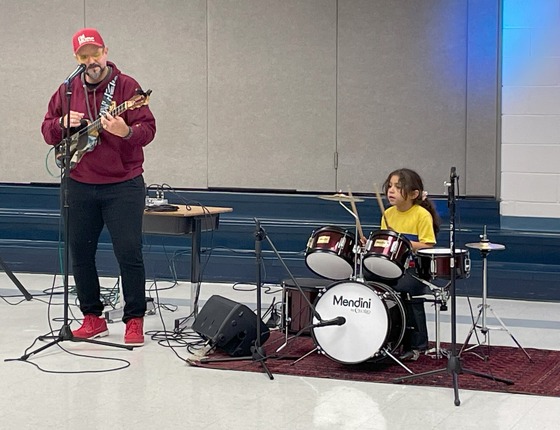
[340, 197]
[486, 246]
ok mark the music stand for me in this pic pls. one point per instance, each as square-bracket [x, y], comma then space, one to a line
[454, 366]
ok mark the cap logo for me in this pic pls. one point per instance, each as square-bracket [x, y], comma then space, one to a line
[82, 38]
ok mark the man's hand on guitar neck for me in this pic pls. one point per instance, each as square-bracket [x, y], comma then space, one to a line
[115, 125]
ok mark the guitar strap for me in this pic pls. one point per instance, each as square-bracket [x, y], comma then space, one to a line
[93, 138]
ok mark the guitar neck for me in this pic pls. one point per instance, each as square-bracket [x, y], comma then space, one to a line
[96, 125]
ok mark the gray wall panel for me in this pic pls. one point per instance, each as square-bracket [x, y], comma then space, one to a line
[401, 86]
[262, 93]
[36, 57]
[164, 48]
[271, 90]
[482, 146]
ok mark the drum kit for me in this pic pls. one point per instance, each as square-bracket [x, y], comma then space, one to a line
[373, 313]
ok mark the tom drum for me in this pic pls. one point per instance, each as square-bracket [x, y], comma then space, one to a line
[433, 263]
[330, 254]
[386, 254]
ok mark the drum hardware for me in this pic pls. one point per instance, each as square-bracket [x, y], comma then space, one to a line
[441, 297]
[358, 247]
[454, 366]
[485, 247]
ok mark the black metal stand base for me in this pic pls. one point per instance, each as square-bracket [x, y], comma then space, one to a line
[15, 280]
[65, 334]
[454, 368]
[258, 356]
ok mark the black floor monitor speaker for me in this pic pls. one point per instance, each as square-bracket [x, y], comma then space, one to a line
[229, 326]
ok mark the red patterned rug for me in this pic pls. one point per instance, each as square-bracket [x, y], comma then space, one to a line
[541, 376]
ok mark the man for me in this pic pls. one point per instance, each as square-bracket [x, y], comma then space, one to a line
[105, 186]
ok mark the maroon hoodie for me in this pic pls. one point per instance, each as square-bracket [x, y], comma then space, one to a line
[114, 159]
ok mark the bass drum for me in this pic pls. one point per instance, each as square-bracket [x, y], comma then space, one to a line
[375, 321]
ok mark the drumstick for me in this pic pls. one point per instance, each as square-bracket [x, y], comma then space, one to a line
[379, 201]
[355, 210]
[381, 206]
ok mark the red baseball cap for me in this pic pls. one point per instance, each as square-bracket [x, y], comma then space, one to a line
[86, 36]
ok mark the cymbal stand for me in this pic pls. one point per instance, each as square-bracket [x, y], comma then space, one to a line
[454, 365]
[485, 247]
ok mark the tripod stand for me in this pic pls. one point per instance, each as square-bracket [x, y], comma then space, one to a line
[484, 246]
[454, 366]
[15, 280]
[65, 333]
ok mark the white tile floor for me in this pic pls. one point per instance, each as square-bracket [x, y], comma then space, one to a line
[158, 389]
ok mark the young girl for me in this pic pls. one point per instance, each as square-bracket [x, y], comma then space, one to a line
[414, 216]
[411, 212]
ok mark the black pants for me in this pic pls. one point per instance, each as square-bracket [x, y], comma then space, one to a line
[120, 207]
[416, 333]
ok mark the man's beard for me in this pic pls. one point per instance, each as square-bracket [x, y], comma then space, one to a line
[95, 72]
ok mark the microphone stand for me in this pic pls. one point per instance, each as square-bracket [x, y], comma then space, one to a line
[258, 352]
[454, 366]
[65, 333]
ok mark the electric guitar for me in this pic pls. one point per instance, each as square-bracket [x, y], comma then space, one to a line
[79, 140]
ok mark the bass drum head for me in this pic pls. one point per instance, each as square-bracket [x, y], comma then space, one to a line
[366, 326]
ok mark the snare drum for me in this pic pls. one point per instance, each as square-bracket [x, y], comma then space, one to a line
[432, 263]
[386, 254]
[330, 253]
[296, 313]
[374, 321]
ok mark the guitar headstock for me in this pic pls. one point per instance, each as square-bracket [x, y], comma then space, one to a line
[140, 99]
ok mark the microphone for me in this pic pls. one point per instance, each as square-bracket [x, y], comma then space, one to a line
[79, 69]
[453, 173]
[334, 321]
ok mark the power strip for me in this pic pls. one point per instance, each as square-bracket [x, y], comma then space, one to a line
[151, 201]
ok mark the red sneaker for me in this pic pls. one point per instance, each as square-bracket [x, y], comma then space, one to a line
[134, 334]
[92, 327]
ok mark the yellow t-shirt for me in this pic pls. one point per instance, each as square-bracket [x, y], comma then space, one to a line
[416, 223]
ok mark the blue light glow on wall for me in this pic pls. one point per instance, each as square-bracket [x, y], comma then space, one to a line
[530, 38]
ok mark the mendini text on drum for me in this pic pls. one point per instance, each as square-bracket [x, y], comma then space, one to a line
[360, 303]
